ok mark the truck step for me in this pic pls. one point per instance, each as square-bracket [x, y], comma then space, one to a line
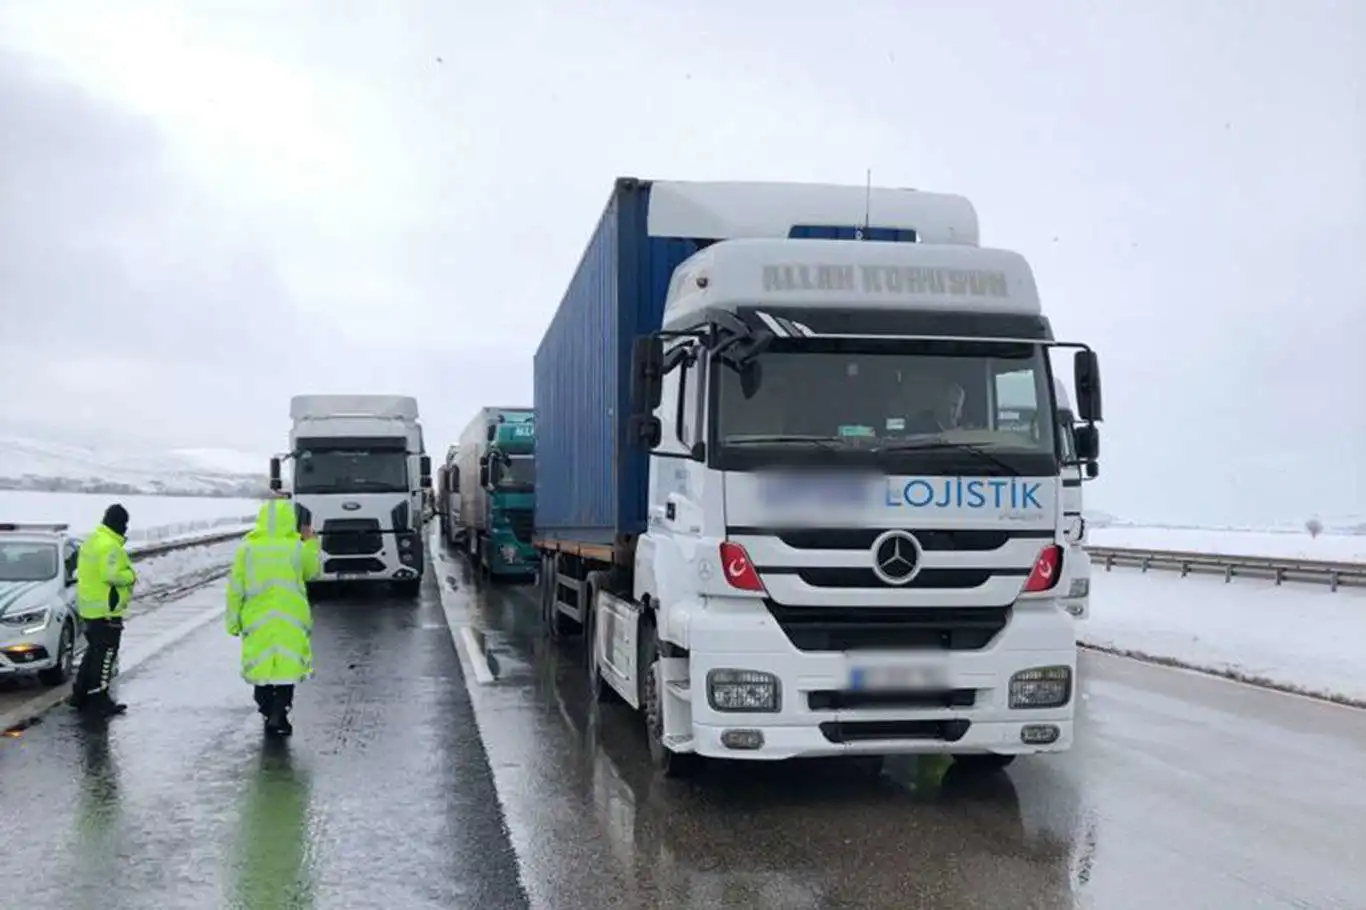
[681, 688]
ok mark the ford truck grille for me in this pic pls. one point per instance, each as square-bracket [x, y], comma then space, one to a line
[352, 536]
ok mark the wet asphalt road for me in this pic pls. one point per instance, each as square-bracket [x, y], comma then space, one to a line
[1184, 792]
[383, 797]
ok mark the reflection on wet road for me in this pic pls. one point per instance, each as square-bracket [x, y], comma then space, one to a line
[382, 799]
[1183, 792]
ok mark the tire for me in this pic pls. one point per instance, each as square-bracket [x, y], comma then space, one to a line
[66, 659]
[985, 763]
[671, 764]
[598, 689]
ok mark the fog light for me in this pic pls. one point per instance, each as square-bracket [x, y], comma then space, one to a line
[1080, 587]
[1039, 734]
[1041, 687]
[405, 543]
[743, 690]
[742, 739]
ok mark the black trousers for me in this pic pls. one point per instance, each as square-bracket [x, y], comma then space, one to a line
[102, 637]
[268, 697]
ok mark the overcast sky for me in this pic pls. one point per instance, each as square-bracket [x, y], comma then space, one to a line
[207, 207]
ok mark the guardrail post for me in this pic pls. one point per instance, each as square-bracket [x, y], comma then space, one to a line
[1185, 568]
[1280, 575]
[1332, 581]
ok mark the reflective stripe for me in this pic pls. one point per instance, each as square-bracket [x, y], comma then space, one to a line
[278, 682]
[274, 553]
[295, 621]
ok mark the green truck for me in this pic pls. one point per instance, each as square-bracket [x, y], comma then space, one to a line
[497, 470]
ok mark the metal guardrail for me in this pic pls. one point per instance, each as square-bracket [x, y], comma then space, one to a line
[181, 536]
[1333, 574]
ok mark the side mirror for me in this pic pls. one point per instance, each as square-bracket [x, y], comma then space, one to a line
[647, 374]
[484, 474]
[1087, 439]
[275, 484]
[1086, 378]
[424, 470]
[483, 462]
[491, 431]
[646, 431]
[1092, 470]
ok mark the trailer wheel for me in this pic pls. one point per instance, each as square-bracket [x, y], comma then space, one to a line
[672, 764]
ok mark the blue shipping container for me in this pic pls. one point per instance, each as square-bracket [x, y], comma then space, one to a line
[591, 482]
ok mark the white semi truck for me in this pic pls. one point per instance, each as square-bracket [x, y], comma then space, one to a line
[360, 470]
[776, 489]
[1077, 574]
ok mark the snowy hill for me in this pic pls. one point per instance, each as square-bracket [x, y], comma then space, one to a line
[33, 464]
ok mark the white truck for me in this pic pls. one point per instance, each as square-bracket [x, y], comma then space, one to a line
[1077, 574]
[775, 487]
[360, 470]
[448, 498]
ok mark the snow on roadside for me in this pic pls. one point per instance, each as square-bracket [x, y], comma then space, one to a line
[178, 564]
[1269, 544]
[82, 511]
[1297, 637]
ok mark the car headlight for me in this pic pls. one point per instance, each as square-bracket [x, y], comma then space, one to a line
[31, 620]
[1041, 687]
[743, 690]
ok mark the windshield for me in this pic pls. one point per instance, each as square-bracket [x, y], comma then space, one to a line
[940, 398]
[518, 473]
[351, 471]
[27, 561]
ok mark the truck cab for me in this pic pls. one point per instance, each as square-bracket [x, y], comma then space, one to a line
[848, 547]
[507, 476]
[361, 473]
[448, 503]
[1077, 576]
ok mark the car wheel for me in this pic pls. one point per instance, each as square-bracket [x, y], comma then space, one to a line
[66, 659]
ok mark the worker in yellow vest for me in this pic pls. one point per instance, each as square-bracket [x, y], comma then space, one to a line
[104, 589]
[268, 608]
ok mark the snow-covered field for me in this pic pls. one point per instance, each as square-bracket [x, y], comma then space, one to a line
[1271, 544]
[83, 510]
[1297, 636]
[42, 464]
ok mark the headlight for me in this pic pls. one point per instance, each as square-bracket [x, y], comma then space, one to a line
[509, 553]
[34, 620]
[743, 690]
[1041, 687]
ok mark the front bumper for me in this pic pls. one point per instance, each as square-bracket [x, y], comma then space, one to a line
[819, 716]
[23, 654]
[399, 558]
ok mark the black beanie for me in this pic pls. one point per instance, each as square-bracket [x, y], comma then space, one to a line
[116, 519]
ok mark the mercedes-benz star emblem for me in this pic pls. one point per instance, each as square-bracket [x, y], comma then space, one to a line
[896, 557]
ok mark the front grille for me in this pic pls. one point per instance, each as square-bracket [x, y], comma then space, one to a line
[351, 536]
[840, 699]
[927, 579]
[889, 628]
[362, 565]
[522, 522]
[949, 731]
[977, 540]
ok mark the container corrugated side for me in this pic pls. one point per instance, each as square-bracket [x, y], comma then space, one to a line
[591, 481]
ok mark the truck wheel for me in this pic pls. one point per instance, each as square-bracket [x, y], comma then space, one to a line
[66, 658]
[555, 623]
[672, 764]
[985, 763]
[598, 689]
[408, 588]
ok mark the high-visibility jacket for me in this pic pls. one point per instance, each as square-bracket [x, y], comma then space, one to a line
[104, 575]
[267, 600]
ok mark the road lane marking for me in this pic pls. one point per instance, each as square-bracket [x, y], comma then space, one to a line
[478, 660]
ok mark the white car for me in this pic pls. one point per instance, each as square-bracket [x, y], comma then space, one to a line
[39, 626]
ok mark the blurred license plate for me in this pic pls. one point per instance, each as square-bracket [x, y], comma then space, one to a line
[897, 676]
[349, 576]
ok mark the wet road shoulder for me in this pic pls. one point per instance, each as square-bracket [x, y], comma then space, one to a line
[383, 797]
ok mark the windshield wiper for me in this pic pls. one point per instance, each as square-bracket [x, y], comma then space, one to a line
[976, 448]
[834, 443]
